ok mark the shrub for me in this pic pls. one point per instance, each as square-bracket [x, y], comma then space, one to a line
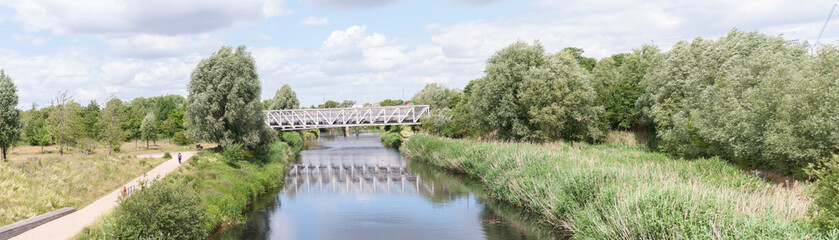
[233, 154]
[162, 210]
[180, 139]
[167, 155]
[824, 210]
[392, 139]
[294, 139]
[116, 148]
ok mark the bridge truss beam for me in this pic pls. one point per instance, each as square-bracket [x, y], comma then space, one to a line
[296, 119]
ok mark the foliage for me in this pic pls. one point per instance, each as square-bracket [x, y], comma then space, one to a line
[149, 128]
[35, 127]
[167, 155]
[181, 139]
[619, 97]
[623, 192]
[110, 123]
[294, 140]
[163, 210]
[347, 104]
[391, 139]
[310, 134]
[284, 98]
[63, 121]
[223, 104]
[10, 124]
[88, 119]
[747, 97]
[434, 95]
[233, 154]
[824, 210]
[529, 95]
[391, 102]
[586, 63]
[329, 104]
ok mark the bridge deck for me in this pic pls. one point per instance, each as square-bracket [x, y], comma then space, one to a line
[295, 119]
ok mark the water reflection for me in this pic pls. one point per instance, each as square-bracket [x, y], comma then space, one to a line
[357, 189]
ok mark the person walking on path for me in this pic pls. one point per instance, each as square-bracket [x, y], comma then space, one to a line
[179, 158]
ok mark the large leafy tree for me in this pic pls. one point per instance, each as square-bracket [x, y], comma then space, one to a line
[584, 62]
[223, 104]
[619, 99]
[10, 125]
[434, 95]
[148, 130]
[747, 97]
[88, 117]
[527, 94]
[284, 98]
[110, 123]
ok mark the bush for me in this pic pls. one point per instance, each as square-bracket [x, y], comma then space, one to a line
[116, 148]
[163, 210]
[391, 139]
[294, 139]
[180, 139]
[824, 210]
[167, 155]
[233, 154]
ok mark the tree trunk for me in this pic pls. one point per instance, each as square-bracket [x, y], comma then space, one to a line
[61, 150]
[3, 150]
[147, 144]
[110, 148]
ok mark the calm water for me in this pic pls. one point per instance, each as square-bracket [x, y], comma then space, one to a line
[354, 188]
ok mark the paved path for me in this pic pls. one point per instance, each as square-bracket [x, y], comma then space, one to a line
[68, 226]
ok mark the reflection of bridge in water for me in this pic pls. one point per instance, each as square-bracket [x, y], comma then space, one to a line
[331, 178]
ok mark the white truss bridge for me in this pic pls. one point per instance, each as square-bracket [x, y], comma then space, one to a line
[295, 119]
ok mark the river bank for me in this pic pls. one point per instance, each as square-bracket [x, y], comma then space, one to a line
[614, 191]
[225, 190]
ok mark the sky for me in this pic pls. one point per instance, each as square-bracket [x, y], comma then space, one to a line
[361, 50]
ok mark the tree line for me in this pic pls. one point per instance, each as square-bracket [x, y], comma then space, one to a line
[750, 98]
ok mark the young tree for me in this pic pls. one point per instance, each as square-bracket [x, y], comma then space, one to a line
[63, 122]
[10, 125]
[110, 123]
[223, 104]
[284, 98]
[148, 129]
[89, 116]
[435, 95]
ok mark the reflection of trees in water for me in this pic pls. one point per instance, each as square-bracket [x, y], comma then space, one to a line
[499, 220]
[257, 224]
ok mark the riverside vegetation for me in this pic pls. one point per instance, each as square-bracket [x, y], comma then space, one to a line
[622, 191]
[743, 103]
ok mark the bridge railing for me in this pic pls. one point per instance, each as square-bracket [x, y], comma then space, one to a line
[293, 119]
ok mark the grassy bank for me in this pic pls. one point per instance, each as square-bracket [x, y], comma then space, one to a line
[225, 191]
[615, 191]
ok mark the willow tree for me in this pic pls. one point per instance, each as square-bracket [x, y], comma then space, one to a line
[530, 95]
[284, 98]
[223, 104]
[10, 125]
[434, 95]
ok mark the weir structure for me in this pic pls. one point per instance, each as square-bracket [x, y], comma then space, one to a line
[296, 119]
[364, 178]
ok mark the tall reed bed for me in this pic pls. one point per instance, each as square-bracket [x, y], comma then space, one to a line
[623, 192]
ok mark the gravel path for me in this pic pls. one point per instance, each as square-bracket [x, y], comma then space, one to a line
[68, 226]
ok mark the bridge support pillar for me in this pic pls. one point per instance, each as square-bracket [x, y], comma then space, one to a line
[346, 131]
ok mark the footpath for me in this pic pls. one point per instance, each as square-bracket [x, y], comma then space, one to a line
[68, 226]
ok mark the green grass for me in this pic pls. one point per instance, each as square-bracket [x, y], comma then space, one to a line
[33, 187]
[225, 191]
[623, 192]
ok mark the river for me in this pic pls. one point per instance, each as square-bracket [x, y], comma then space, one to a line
[355, 188]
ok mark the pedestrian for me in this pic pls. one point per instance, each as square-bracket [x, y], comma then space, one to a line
[179, 158]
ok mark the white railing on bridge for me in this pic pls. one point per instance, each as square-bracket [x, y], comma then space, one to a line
[294, 119]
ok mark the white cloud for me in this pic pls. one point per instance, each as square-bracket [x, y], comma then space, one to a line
[350, 4]
[35, 41]
[314, 21]
[260, 37]
[156, 46]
